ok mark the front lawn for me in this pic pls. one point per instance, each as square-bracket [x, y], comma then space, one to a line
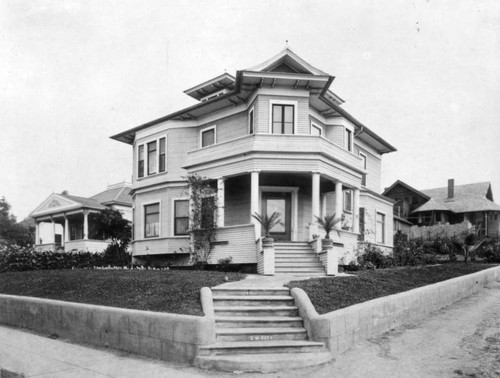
[173, 291]
[332, 293]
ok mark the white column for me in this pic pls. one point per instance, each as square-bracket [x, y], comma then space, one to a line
[53, 230]
[85, 225]
[254, 202]
[37, 233]
[315, 196]
[66, 229]
[355, 212]
[339, 198]
[220, 202]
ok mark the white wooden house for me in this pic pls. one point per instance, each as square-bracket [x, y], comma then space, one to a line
[274, 138]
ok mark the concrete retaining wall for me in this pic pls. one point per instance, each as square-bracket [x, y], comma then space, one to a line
[344, 328]
[158, 335]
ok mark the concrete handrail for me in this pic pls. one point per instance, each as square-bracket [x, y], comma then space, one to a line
[207, 303]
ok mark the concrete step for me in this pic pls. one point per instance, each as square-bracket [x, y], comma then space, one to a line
[250, 291]
[260, 347]
[253, 300]
[267, 363]
[258, 321]
[260, 334]
[297, 269]
[257, 310]
[298, 264]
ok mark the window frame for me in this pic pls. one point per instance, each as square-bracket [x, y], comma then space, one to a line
[384, 217]
[295, 105]
[251, 121]
[204, 130]
[154, 170]
[174, 218]
[364, 160]
[144, 205]
[348, 139]
[140, 174]
[144, 145]
[319, 127]
[347, 192]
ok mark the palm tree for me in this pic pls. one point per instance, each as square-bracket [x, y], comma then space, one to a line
[268, 222]
[328, 223]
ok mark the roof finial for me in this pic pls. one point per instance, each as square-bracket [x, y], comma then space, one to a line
[286, 42]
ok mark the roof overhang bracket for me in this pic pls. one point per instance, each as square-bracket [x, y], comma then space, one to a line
[296, 83]
[274, 82]
[261, 83]
[308, 84]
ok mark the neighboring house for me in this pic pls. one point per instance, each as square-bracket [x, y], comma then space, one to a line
[453, 204]
[66, 221]
[273, 138]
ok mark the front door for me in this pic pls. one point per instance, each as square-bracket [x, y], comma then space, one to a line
[281, 203]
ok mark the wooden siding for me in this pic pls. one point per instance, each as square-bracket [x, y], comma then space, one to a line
[240, 245]
[373, 205]
[228, 128]
[160, 246]
[335, 134]
[373, 169]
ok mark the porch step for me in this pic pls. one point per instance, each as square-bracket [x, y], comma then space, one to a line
[297, 258]
[258, 329]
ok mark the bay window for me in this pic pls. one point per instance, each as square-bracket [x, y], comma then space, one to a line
[152, 157]
[152, 220]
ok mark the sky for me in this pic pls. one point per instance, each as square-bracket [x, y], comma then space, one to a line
[424, 75]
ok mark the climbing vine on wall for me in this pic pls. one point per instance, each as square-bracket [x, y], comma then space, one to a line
[202, 217]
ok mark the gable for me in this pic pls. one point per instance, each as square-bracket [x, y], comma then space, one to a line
[287, 60]
[55, 204]
[283, 68]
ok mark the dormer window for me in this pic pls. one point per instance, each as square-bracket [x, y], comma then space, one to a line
[208, 136]
[283, 115]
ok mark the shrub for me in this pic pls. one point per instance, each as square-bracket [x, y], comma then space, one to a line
[408, 252]
[490, 251]
[370, 256]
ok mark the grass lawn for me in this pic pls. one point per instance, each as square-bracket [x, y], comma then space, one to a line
[332, 293]
[174, 291]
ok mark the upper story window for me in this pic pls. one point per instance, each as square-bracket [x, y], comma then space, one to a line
[364, 165]
[283, 119]
[348, 201]
[251, 122]
[316, 129]
[153, 156]
[348, 139]
[152, 220]
[208, 136]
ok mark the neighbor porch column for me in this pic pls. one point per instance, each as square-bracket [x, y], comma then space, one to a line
[355, 212]
[37, 232]
[315, 196]
[66, 229]
[220, 202]
[339, 206]
[254, 201]
[53, 230]
[85, 225]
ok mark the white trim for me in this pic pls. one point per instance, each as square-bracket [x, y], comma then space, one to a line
[349, 148]
[205, 129]
[344, 209]
[365, 159]
[143, 219]
[319, 127]
[295, 204]
[172, 228]
[251, 111]
[384, 241]
[283, 102]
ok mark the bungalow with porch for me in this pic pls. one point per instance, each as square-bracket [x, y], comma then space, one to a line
[272, 138]
[64, 221]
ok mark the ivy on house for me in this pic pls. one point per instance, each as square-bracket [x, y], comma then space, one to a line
[202, 217]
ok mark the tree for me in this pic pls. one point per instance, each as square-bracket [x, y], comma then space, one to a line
[21, 234]
[110, 224]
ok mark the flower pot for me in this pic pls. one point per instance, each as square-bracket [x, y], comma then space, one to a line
[267, 242]
[326, 243]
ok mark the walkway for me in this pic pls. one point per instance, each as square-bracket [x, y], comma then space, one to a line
[461, 340]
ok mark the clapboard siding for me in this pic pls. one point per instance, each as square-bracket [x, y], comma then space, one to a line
[162, 246]
[373, 169]
[302, 125]
[373, 205]
[240, 245]
[304, 215]
[335, 134]
[228, 128]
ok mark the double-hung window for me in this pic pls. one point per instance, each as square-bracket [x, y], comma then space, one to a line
[380, 228]
[283, 119]
[152, 157]
[152, 220]
[363, 163]
[181, 217]
[208, 136]
[348, 201]
[348, 139]
[251, 122]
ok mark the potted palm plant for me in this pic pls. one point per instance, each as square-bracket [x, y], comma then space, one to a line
[328, 223]
[267, 223]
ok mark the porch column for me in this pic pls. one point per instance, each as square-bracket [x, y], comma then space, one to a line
[220, 202]
[85, 225]
[66, 229]
[254, 201]
[53, 230]
[315, 196]
[339, 206]
[355, 212]
[37, 232]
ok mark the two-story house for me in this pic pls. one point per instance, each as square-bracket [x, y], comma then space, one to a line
[273, 138]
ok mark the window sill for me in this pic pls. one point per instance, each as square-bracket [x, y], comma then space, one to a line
[151, 175]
